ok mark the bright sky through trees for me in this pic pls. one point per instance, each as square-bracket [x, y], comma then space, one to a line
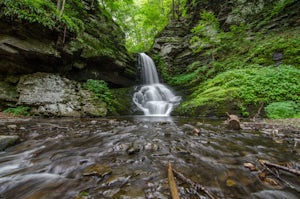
[141, 20]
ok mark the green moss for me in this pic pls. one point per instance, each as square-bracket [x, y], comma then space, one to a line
[273, 10]
[123, 100]
[94, 47]
[18, 111]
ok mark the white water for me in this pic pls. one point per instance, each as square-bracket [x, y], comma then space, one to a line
[153, 98]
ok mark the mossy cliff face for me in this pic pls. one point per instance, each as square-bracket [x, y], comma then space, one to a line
[46, 54]
[230, 56]
[84, 43]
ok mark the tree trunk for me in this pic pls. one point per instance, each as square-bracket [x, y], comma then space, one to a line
[58, 5]
[233, 122]
[62, 8]
[173, 9]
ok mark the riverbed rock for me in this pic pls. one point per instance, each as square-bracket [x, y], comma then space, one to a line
[98, 170]
[8, 141]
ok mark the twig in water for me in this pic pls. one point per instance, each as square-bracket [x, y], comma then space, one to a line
[266, 166]
[197, 186]
[270, 164]
[172, 183]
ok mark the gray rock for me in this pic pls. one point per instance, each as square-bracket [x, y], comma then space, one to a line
[54, 95]
[8, 141]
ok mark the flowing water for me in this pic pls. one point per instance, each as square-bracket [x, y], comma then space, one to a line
[127, 158]
[153, 98]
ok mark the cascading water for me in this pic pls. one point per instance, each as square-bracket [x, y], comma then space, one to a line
[153, 98]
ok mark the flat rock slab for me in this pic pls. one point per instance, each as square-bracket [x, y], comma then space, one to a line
[8, 141]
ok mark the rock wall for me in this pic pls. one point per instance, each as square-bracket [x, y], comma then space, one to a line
[173, 46]
[54, 95]
[95, 52]
[175, 56]
[43, 67]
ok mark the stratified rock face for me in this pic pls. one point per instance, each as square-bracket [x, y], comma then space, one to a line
[95, 52]
[53, 95]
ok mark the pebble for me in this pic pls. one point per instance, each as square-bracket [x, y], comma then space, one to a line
[97, 170]
[12, 126]
[93, 122]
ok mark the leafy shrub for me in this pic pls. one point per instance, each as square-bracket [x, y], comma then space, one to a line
[19, 110]
[41, 11]
[286, 109]
[101, 91]
[249, 86]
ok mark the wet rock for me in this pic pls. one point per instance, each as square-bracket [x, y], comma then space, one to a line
[111, 192]
[97, 170]
[151, 146]
[190, 129]
[117, 181]
[93, 122]
[133, 150]
[121, 147]
[8, 141]
[12, 126]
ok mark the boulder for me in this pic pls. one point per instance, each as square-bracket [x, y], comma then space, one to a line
[8, 141]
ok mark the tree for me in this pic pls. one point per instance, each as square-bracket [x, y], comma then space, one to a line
[61, 6]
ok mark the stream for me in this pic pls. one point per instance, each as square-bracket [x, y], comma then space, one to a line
[127, 157]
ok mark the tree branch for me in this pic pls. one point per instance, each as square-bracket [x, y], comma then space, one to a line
[172, 183]
[197, 186]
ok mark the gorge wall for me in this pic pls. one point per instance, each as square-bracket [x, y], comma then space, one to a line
[187, 68]
[43, 55]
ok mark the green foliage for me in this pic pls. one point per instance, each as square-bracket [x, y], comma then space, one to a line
[18, 111]
[274, 10]
[101, 91]
[286, 109]
[206, 33]
[287, 43]
[271, 84]
[249, 86]
[43, 12]
[142, 20]
[195, 74]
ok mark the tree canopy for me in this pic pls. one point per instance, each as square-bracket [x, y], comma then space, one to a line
[141, 20]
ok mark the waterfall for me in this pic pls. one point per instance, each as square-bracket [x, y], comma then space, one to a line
[153, 98]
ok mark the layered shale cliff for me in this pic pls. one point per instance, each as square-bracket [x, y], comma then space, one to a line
[38, 44]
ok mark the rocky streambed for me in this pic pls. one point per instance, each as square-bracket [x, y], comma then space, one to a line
[127, 157]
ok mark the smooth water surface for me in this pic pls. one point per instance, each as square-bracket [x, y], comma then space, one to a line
[127, 158]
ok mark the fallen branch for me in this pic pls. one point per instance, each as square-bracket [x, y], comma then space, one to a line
[172, 183]
[266, 167]
[197, 186]
[233, 122]
[258, 112]
[270, 164]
